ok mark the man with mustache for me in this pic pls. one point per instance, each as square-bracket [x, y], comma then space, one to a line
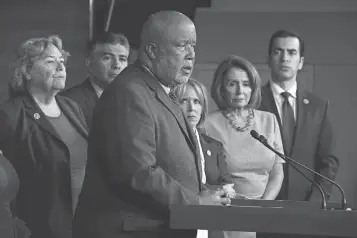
[107, 56]
[303, 119]
[142, 155]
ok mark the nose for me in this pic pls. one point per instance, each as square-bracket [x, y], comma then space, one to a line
[190, 106]
[239, 89]
[60, 66]
[284, 56]
[116, 63]
[191, 52]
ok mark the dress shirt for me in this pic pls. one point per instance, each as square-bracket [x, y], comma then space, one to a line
[98, 90]
[279, 99]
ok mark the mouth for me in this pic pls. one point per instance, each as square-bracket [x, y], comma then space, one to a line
[187, 69]
[59, 77]
[191, 117]
[113, 75]
[284, 68]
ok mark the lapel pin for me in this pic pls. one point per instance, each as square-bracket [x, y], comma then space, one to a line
[305, 101]
[209, 153]
[36, 116]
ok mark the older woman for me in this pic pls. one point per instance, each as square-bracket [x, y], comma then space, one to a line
[192, 98]
[44, 136]
[256, 171]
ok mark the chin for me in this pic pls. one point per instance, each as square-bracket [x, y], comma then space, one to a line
[182, 79]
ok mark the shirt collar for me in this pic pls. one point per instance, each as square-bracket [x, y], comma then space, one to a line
[277, 90]
[98, 90]
[166, 89]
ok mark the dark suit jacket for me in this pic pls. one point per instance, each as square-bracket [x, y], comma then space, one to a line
[86, 97]
[313, 146]
[141, 160]
[42, 161]
[215, 162]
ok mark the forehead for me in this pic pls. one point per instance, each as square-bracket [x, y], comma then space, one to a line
[237, 74]
[181, 32]
[190, 92]
[115, 49]
[51, 51]
[286, 43]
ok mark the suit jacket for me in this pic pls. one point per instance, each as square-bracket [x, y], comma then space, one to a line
[313, 145]
[141, 160]
[42, 162]
[86, 97]
[215, 161]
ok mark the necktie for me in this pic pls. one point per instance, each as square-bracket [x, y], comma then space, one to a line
[288, 123]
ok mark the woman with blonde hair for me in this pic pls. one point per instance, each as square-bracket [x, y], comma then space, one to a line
[44, 136]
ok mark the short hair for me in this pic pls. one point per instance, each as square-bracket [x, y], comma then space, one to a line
[201, 93]
[107, 38]
[285, 34]
[238, 62]
[28, 51]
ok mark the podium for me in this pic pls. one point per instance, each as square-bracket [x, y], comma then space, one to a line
[278, 217]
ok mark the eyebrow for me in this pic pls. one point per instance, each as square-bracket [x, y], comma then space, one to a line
[290, 50]
[111, 54]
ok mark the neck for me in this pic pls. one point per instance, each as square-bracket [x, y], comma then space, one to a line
[43, 98]
[241, 112]
[285, 84]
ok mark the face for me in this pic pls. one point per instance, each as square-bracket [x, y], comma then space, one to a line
[237, 88]
[48, 71]
[285, 60]
[191, 106]
[175, 56]
[107, 61]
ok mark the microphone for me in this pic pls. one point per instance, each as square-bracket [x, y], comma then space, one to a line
[264, 141]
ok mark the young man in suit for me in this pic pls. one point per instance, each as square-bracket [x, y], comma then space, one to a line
[303, 119]
[143, 157]
[107, 56]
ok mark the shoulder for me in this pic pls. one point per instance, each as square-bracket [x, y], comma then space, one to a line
[313, 99]
[263, 115]
[210, 140]
[78, 89]
[68, 102]
[214, 116]
[12, 107]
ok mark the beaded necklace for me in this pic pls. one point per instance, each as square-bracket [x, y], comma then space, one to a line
[231, 116]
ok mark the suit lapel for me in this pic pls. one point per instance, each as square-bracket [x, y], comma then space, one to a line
[89, 94]
[301, 114]
[36, 114]
[72, 117]
[268, 103]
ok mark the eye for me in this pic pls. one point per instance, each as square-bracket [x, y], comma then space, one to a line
[196, 101]
[106, 57]
[123, 59]
[184, 100]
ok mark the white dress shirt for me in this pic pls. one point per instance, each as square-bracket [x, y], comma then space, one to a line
[201, 233]
[279, 99]
[98, 90]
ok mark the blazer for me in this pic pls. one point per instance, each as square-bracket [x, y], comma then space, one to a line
[215, 161]
[141, 160]
[313, 145]
[86, 97]
[42, 162]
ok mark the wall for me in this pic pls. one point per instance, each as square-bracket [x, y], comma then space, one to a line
[331, 53]
[23, 19]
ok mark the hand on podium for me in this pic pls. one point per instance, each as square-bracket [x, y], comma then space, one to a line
[211, 197]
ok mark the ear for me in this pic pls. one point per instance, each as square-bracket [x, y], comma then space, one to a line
[301, 63]
[150, 51]
[88, 61]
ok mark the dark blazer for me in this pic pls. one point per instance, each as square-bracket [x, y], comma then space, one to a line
[313, 146]
[215, 161]
[86, 97]
[42, 162]
[141, 160]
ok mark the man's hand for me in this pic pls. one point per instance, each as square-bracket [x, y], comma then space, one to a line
[210, 197]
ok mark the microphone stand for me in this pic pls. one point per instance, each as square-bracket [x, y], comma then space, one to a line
[264, 141]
